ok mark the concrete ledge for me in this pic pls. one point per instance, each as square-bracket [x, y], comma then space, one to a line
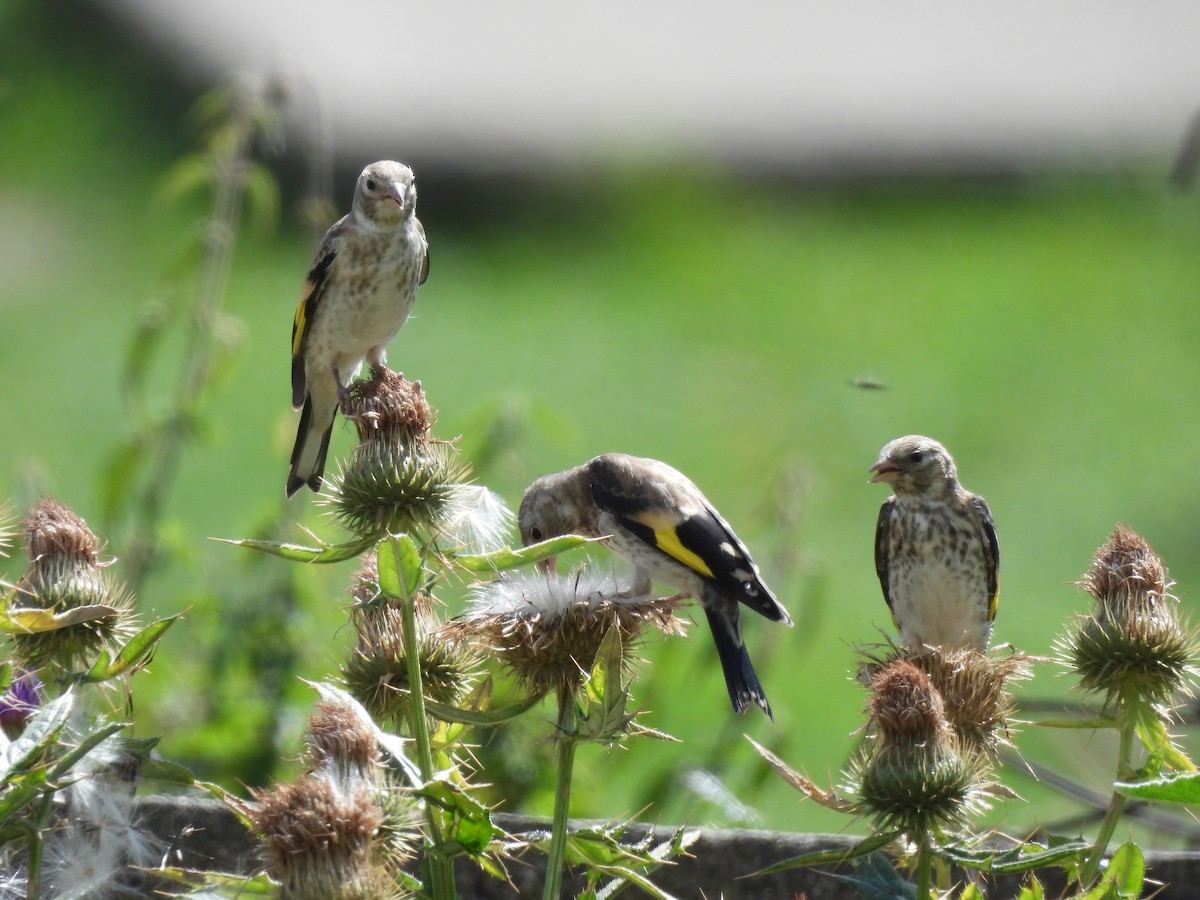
[203, 834]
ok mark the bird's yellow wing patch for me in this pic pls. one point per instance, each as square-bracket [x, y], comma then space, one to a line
[668, 542]
[301, 321]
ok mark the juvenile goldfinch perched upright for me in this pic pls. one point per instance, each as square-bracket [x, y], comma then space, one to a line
[358, 293]
[935, 548]
[657, 519]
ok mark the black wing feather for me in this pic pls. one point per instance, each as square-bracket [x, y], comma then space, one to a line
[991, 549]
[881, 546]
[315, 285]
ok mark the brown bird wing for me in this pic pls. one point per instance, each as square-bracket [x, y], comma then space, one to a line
[991, 551]
[882, 529]
[310, 298]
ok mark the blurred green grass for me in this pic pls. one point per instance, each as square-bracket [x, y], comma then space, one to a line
[1043, 327]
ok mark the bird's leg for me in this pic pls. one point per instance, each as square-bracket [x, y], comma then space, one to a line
[343, 394]
[377, 357]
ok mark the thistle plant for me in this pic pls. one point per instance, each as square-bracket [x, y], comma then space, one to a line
[405, 499]
[924, 771]
[1135, 657]
[343, 829]
[67, 821]
[570, 636]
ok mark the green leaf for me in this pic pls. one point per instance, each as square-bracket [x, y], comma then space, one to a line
[165, 771]
[1024, 858]
[34, 620]
[400, 569]
[1182, 787]
[220, 884]
[322, 553]
[509, 559]
[89, 743]
[136, 652]
[835, 855]
[1152, 732]
[483, 718]
[470, 827]
[1124, 877]
[1031, 890]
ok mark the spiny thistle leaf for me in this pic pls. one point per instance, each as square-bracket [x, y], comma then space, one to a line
[1024, 858]
[479, 717]
[510, 559]
[36, 621]
[323, 553]
[470, 822]
[135, 653]
[828, 799]
[834, 855]
[1176, 788]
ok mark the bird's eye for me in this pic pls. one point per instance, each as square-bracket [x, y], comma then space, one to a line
[536, 534]
[372, 185]
[916, 456]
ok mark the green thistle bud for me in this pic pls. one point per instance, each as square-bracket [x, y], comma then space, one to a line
[914, 775]
[376, 673]
[398, 479]
[66, 577]
[1132, 643]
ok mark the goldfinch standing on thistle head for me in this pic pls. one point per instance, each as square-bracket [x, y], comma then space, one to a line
[357, 295]
[657, 519]
[935, 548]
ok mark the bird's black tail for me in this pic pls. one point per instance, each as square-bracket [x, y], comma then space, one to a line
[740, 677]
[309, 451]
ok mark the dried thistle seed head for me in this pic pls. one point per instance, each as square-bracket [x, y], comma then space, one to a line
[66, 577]
[337, 735]
[547, 629]
[319, 841]
[389, 409]
[904, 706]
[974, 691]
[921, 789]
[1133, 643]
[54, 532]
[389, 487]
[1126, 576]
[376, 673]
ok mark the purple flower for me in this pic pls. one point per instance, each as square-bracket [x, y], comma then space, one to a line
[19, 702]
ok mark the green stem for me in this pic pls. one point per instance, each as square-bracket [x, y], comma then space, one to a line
[924, 869]
[440, 868]
[33, 885]
[1116, 803]
[565, 764]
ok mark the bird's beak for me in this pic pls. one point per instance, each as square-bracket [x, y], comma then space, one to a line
[548, 565]
[398, 192]
[885, 471]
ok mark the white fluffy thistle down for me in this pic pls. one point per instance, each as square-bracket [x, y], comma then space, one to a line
[547, 628]
[96, 841]
[476, 520]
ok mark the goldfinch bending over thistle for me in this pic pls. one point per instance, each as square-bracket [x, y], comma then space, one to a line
[357, 295]
[657, 519]
[935, 548]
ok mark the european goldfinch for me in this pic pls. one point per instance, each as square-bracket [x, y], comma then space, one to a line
[935, 548]
[657, 519]
[358, 294]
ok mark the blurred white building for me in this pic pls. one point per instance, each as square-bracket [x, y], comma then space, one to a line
[868, 83]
